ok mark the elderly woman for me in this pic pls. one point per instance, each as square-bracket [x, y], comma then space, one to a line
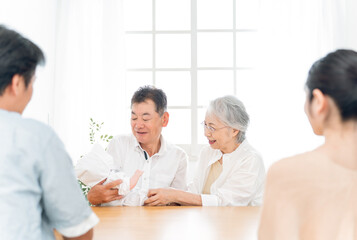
[313, 195]
[230, 171]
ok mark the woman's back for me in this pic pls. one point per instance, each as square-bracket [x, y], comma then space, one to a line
[314, 195]
[309, 196]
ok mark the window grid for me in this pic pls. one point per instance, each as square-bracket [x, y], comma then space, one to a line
[193, 148]
[188, 69]
[188, 31]
[154, 42]
[234, 50]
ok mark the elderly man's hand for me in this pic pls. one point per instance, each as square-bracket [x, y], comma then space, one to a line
[160, 197]
[100, 193]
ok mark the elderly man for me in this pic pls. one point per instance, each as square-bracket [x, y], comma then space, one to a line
[38, 188]
[163, 164]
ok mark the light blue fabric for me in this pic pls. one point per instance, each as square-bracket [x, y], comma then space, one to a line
[38, 188]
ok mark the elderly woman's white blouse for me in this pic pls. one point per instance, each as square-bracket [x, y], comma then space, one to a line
[241, 182]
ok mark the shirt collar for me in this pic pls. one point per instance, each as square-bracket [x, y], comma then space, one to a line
[218, 154]
[162, 150]
[13, 113]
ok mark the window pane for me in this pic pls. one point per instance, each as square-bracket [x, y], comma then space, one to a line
[215, 49]
[173, 50]
[178, 131]
[138, 50]
[173, 15]
[214, 14]
[213, 84]
[176, 85]
[201, 113]
[247, 14]
[134, 80]
[246, 49]
[138, 15]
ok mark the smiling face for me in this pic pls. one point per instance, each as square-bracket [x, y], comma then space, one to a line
[146, 123]
[222, 137]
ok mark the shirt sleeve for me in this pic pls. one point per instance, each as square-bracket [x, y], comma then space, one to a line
[114, 150]
[194, 186]
[240, 187]
[63, 201]
[180, 179]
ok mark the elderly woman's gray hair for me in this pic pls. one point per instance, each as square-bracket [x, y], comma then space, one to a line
[231, 112]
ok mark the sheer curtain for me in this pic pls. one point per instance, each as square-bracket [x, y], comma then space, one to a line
[84, 74]
[293, 34]
[89, 71]
[36, 20]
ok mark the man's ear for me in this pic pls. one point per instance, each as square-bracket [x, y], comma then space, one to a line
[15, 86]
[165, 119]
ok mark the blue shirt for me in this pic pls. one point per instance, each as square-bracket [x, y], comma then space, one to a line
[38, 188]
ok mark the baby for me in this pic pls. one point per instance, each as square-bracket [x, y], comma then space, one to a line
[98, 165]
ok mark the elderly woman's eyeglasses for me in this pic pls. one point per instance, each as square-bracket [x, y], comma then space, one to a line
[211, 129]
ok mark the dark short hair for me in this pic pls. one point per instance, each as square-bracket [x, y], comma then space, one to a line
[18, 55]
[335, 75]
[150, 92]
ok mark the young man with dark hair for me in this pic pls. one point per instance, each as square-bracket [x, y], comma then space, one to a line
[38, 188]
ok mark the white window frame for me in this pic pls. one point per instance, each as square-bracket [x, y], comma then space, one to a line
[192, 149]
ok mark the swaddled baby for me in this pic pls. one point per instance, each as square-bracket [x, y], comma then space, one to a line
[98, 165]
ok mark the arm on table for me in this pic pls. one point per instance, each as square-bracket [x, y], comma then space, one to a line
[164, 196]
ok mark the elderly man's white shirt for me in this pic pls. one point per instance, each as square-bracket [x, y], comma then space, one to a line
[241, 182]
[167, 168]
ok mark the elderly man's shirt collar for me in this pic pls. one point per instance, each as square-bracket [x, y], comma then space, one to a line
[163, 147]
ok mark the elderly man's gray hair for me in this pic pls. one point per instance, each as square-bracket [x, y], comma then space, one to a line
[231, 112]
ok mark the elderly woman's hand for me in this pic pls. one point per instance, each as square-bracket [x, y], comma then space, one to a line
[160, 197]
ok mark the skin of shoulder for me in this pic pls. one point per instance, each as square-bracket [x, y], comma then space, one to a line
[289, 172]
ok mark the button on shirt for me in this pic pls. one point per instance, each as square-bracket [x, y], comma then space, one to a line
[241, 182]
[167, 168]
[38, 188]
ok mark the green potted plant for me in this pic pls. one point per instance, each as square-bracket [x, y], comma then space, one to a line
[94, 130]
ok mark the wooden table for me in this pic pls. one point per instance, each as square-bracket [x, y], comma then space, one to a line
[165, 223]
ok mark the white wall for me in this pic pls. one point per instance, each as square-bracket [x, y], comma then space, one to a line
[351, 25]
[35, 19]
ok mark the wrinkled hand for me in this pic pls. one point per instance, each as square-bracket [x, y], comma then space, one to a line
[160, 197]
[100, 193]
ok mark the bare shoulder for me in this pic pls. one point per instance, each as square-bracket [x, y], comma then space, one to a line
[291, 166]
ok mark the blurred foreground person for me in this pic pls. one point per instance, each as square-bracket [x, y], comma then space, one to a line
[314, 195]
[38, 188]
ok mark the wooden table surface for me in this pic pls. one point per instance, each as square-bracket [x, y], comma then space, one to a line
[165, 223]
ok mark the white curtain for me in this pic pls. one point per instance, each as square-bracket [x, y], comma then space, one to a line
[36, 20]
[83, 41]
[89, 71]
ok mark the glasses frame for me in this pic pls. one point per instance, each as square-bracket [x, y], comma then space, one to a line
[211, 129]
